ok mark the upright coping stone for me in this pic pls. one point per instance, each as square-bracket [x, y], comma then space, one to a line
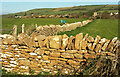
[15, 30]
[23, 28]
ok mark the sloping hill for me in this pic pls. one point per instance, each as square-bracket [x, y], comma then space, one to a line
[68, 10]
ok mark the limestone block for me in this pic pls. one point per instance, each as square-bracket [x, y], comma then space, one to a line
[62, 59]
[98, 48]
[102, 41]
[105, 45]
[82, 52]
[44, 57]
[46, 42]
[67, 55]
[97, 39]
[90, 39]
[55, 54]
[66, 71]
[80, 56]
[72, 62]
[64, 41]
[85, 37]
[71, 51]
[55, 42]
[112, 42]
[89, 45]
[78, 39]
[71, 43]
[84, 45]
[47, 52]
[53, 58]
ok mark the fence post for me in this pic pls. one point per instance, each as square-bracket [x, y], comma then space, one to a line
[15, 30]
[23, 28]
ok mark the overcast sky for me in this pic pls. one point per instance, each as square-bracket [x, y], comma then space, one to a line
[59, 0]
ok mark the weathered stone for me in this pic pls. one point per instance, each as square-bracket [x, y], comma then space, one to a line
[84, 45]
[80, 56]
[71, 43]
[66, 71]
[102, 41]
[78, 38]
[89, 45]
[79, 60]
[82, 52]
[47, 52]
[89, 56]
[40, 38]
[97, 39]
[55, 42]
[105, 45]
[112, 42]
[24, 38]
[46, 42]
[91, 52]
[44, 57]
[90, 39]
[60, 62]
[24, 62]
[61, 51]
[53, 58]
[43, 64]
[71, 51]
[72, 62]
[62, 59]
[52, 63]
[85, 37]
[55, 54]
[64, 41]
[98, 48]
[41, 43]
[93, 46]
[67, 55]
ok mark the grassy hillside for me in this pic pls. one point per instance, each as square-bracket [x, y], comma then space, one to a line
[8, 23]
[69, 10]
[107, 28]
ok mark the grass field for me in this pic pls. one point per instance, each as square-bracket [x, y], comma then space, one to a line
[107, 28]
[69, 10]
[8, 23]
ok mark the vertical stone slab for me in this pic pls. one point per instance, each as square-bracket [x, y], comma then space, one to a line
[98, 48]
[84, 45]
[15, 30]
[78, 39]
[97, 39]
[105, 45]
[112, 42]
[71, 44]
[23, 28]
[64, 41]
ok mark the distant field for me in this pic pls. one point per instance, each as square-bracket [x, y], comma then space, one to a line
[69, 10]
[107, 28]
[8, 23]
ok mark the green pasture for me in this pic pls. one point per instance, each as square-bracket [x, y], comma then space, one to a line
[8, 23]
[106, 28]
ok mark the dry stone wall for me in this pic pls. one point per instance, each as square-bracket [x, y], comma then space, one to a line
[54, 29]
[53, 54]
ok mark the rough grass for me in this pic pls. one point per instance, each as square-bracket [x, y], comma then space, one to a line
[106, 28]
[8, 23]
[68, 10]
